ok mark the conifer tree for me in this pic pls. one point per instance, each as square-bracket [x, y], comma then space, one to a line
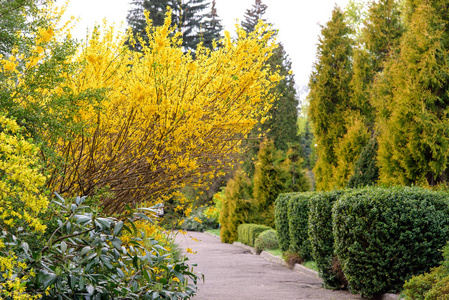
[329, 97]
[253, 15]
[281, 126]
[188, 16]
[413, 117]
[211, 28]
[269, 179]
[236, 206]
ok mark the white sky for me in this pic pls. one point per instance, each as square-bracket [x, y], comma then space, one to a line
[297, 20]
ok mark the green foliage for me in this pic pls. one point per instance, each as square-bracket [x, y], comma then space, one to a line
[298, 224]
[322, 238]
[329, 97]
[267, 240]
[268, 180]
[198, 221]
[87, 256]
[418, 287]
[188, 16]
[366, 171]
[236, 206]
[384, 236]
[281, 220]
[248, 233]
[413, 139]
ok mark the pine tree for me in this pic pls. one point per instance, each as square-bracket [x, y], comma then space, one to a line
[366, 171]
[329, 97]
[253, 15]
[413, 117]
[211, 28]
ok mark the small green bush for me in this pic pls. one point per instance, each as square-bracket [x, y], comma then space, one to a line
[418, 286]
[322, 238]
[298, 218]
[248, 233]
[384, 236]
[267, 240]
[281, 220]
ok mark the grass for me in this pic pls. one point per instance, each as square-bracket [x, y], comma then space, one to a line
[275, 252]
[214, 231]
[311, 265]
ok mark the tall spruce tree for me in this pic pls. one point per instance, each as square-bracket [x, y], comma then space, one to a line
[188, 16]
[413, 115]
[211, 28]
[329, 97]
[253, 15]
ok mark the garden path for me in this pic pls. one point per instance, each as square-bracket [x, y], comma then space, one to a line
[233, 273]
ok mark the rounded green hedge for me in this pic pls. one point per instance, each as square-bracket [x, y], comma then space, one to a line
[248, 233]
[384, 236]
[281, 220]
[322, 238]
[298, 218]
[267, 240]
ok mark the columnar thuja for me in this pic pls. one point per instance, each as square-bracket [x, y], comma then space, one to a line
[166, 119]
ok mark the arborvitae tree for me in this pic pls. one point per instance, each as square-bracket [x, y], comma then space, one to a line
[188, 16]
[269, 179]
[253, 15]
[236, 206]
[296, 180]
[307, 142]
[414, 120]
[348, 150]
[329, 97]
[366, 171]
[211, 28]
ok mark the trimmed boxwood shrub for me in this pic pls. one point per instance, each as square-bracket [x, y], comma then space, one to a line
[267, 240]
[298, 218]
[248, 233]
[281, 215]
[322, 238]
[384, 236]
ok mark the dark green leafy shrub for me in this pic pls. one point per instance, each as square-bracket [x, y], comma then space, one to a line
[281, 220]
[322, 238]
[298, 218]
[384, 236]
[86, 257]
[248, 233]
[267, 240]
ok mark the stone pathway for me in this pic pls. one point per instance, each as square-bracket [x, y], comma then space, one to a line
[233, 273]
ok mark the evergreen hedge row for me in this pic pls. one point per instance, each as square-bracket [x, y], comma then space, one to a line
[322, 238]
[298, 224]
[382, 236]
[248, 233]
[281, 220]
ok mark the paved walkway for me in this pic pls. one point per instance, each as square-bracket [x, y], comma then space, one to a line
[233, 273]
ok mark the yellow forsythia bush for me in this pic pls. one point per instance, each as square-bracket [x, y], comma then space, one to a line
[166, 119]
[20, 202]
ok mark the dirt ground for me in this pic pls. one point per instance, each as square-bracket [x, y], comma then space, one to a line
[233, 273]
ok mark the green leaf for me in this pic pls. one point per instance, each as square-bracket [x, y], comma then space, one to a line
[117, 243]
[118, 228]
